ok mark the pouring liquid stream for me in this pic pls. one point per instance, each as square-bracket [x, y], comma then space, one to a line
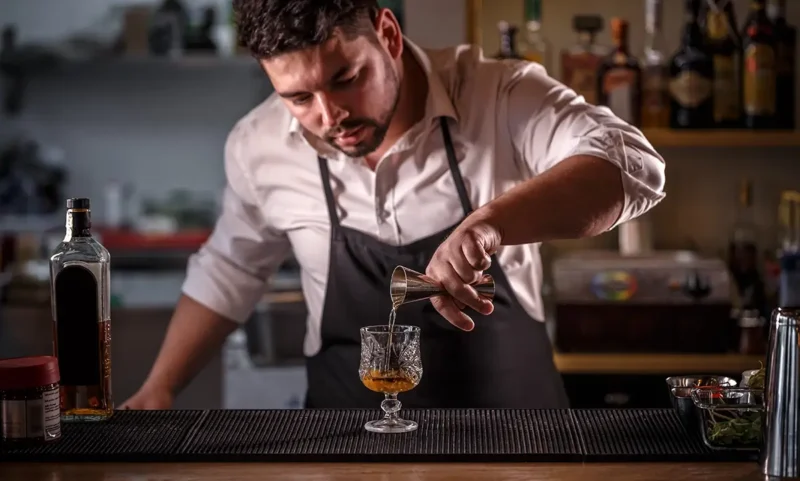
[392, 316]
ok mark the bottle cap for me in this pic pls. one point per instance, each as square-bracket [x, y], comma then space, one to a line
[21, 373]
[78, 203]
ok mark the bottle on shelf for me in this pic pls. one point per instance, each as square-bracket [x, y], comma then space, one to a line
[724, 46]
[655, 73]
[536, 48]
[619, 79]
[508, 45]
[785, 46]
[580, 63]
[744, 254]
[789, 250]
[691, 77]
[80, 301]
[759, 81]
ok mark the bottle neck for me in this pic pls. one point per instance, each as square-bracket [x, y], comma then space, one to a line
[620, 40]
[79, 224]
[692, 33]
[507, 44]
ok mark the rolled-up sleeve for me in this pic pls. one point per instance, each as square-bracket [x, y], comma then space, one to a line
[230, 271]
[549, 122]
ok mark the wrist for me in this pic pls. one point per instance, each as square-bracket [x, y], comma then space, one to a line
[488, 217]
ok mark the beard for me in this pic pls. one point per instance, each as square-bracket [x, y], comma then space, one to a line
[379, 126]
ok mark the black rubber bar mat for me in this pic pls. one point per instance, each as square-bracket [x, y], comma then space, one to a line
[443, 435]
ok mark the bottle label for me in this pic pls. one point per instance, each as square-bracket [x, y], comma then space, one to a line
[690, 89]
[77, 318]
[52, 413]
[655, 95]
[580, 74]
[726, 88]
[619, 85]
[759, 80]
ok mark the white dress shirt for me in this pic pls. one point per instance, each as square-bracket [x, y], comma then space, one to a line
[509, 122]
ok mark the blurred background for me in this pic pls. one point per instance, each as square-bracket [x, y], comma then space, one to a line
[129, 103]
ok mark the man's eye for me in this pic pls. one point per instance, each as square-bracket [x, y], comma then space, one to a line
[301, 100]
[347, 80]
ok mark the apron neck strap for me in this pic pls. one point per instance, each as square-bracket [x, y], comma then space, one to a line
[452, 161]
[454, 170]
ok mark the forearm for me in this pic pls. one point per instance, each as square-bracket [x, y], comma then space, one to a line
[194, 334]
[580, 197]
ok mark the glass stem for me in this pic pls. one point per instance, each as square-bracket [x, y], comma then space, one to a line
[391, 406]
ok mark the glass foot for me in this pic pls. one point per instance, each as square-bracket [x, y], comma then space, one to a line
[391, 425]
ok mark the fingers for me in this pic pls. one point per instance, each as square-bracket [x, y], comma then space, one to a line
[476, 256]
[447, 307]
[462, 292]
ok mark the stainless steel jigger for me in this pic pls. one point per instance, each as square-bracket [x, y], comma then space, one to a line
[780, 452]
[411, 286]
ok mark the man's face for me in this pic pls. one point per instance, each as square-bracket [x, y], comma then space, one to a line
[344, 91]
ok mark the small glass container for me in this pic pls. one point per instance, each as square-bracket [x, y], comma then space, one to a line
[730, 418]
[30, 404]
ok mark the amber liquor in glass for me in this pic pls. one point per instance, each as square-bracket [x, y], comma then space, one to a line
[724, 46]
[759, 69]
[619, 80]
[691, 77]
[785, 47]
[80, 299]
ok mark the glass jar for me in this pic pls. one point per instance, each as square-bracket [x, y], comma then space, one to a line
[30, 405]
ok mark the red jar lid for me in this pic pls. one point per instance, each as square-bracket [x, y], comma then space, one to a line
[19, 373]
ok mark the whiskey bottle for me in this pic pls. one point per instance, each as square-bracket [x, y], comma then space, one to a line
[759, 69]
[580, 63]
[724, 45]
[80, 300]
[655, 73]
[536, 48]
[508, 45]
[691, 77]
[785, 46]
[619, 80]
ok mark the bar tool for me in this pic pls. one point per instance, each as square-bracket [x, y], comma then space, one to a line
[410, 286]
[779, 452]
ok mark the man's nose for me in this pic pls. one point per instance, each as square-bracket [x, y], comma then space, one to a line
[331, 113]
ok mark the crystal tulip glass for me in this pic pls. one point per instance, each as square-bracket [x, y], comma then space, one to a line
[390, 364]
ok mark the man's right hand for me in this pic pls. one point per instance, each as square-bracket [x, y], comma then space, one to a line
[147, 398]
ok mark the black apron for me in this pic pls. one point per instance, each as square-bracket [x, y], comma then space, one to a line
[506, 361]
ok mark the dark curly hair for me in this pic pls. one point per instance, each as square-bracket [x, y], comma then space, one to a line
[273, 27]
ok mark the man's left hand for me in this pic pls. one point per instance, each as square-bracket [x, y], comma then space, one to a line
[460, 261]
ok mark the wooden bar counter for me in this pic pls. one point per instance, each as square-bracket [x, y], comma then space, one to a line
[381, 472]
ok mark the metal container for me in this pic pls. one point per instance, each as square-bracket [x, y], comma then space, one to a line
[779, 453]
[680, 388]
[410, 286]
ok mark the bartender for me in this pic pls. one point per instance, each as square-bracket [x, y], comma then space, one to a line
[374, 153]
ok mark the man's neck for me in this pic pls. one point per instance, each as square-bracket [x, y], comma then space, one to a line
[410, 105]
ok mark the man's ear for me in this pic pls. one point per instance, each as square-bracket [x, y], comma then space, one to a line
[387, 28]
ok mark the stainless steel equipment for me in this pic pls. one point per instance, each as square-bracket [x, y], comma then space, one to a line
[780, 453]
[668, 301]
[410, 286]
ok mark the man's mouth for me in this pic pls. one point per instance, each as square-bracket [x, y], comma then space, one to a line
[350, 137]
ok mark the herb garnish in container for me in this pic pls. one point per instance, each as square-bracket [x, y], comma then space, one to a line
[730, 418]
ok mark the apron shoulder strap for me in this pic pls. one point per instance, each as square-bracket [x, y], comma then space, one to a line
[458, 180]
[326, 186]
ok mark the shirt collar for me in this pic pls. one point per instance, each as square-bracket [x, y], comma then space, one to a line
[438, 103]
